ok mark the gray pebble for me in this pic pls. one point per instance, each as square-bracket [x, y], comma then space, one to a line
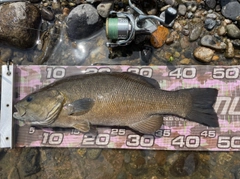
[190, 15]
[233, 31]
[196, 32]
[185, 32]
[104, 8]
[209, 24]
[182, 9]
[218, 8]
[170, 2]
[212, 42]
[236, 42]
[231, 10]
[211, 3]
[86, 16]
[212, 16]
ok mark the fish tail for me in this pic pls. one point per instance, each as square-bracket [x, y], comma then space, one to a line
[202, 110]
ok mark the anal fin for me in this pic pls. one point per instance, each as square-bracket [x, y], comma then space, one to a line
[83, 126]
[149, 125]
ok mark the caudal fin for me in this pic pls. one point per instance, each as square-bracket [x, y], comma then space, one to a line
[202, 106]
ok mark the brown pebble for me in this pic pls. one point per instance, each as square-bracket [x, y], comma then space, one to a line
[215, 58]
[66, 11]
[159, 37]
[6, 55]
[185, 61]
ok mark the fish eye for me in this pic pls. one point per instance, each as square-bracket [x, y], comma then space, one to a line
[29, 98]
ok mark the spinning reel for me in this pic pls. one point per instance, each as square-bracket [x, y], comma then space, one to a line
[121, 27]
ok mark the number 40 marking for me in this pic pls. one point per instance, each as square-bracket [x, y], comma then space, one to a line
[187, 73]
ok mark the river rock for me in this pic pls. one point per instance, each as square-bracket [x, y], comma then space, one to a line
[83, 21]
[182, 9]
[225, 2]
[230, 50]
[212, 42]
[185, 165]
[104, 8]
[170, 2]
[22, 20]
[47, 14]
[221, 30]
[236, 43]
[196, 32]
[159, 37]
[209, 23]
[29, 162]
[231, 10]
[211, 3]
[233, 31]
[203, 54]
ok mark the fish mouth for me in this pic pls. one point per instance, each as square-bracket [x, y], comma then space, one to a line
[20, 113]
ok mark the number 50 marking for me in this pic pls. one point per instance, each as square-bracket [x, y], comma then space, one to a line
[229, 73]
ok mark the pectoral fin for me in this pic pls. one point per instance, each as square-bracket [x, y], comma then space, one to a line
[83, 126]
[80, 106]
[149, 125]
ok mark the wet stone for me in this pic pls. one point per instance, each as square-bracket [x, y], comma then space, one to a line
[236, 42]
[211, 3]
[29, 162]
[159, 37]
[190, 15]
[221, 30]
[137, 163]
[185, 165]
[121, 175]
[104, 8]
[233, 31]
[47, 14]
[93, 153]
[170, 2]
[185, 61]
[203, 54]
[5, 54]
[196, 32]
[230, 50]
[22, 20]
[182, 9]
[212, 42]
[231, 10]
[83, 21]
[161, 158]
[209, 24]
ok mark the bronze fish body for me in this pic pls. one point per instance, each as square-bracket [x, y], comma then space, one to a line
[114, 99]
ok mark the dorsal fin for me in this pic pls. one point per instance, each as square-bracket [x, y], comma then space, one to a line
[150, 82]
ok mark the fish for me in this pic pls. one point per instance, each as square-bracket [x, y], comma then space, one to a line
[120, 99]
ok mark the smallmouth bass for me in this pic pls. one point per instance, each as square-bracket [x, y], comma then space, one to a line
[114, 99]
